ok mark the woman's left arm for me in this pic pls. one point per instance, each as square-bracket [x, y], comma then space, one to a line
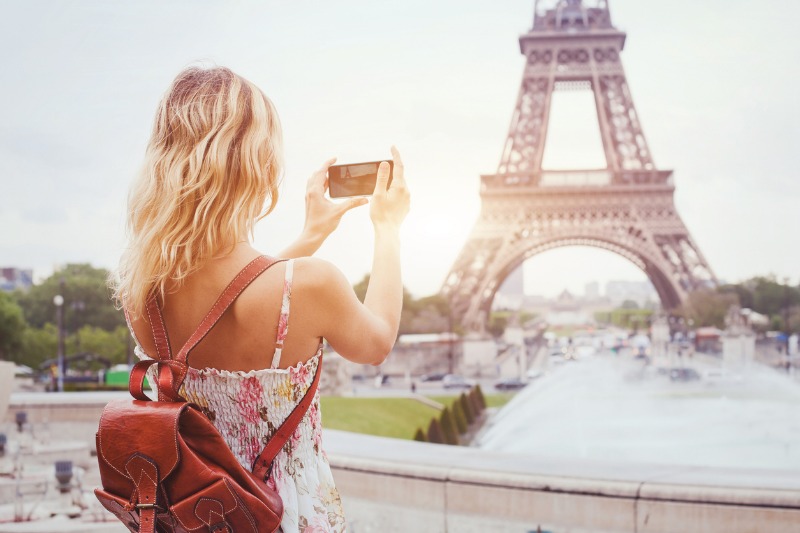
[322, 215]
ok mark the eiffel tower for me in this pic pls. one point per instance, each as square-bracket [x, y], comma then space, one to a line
[626, 208]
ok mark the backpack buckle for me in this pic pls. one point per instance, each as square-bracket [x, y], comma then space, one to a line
[142, 506]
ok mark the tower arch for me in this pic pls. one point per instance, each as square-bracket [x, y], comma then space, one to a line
[667, 293]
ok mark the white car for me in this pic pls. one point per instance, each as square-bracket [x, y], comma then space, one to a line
[453, 381]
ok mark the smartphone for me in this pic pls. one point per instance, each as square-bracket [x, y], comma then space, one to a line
[356, 179]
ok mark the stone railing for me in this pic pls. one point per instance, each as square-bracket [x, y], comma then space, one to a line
[391, 485]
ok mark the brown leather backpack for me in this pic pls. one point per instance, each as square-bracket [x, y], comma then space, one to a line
[164, 467]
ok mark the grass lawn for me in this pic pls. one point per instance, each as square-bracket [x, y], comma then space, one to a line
[492, 400]
[385, 417]
[388, 417]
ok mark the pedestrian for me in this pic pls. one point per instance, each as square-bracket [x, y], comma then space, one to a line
[211, 171]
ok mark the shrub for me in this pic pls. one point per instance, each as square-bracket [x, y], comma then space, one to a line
[481, 398]
[470, 416]
[474, 402]
[435, 433]
[420, 435]
[460, 418]
[449, 427]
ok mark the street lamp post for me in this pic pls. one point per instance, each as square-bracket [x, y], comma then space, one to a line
[58, 300]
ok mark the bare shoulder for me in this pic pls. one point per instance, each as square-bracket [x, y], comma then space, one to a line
[314, 273]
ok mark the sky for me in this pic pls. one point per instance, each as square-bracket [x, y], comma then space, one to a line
[714, 83]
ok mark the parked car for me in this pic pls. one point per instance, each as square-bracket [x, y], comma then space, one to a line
[432, 377]
[453, 381]
[510, 384]
[683, 374]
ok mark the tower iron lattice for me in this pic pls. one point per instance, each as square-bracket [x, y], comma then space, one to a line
[626, 208]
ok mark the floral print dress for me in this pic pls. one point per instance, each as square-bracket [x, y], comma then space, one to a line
[247, 408]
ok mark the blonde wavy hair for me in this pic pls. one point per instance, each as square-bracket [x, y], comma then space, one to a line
[211, 171]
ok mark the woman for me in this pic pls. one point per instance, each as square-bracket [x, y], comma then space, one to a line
[211, 172]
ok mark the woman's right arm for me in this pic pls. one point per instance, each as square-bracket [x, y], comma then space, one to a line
[365, 333]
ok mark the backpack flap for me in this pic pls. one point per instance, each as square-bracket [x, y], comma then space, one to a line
[134, 427]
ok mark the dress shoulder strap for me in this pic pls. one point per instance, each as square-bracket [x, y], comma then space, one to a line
[283, 321]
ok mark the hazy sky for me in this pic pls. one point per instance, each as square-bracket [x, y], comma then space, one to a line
[715, 84]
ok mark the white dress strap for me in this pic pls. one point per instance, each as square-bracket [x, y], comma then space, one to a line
[283, 321]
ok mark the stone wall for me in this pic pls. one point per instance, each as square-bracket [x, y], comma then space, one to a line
[389, 485]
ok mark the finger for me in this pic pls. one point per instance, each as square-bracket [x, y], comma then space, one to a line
[351, 204]
[319, 179]
[398, 172]
[382, 181]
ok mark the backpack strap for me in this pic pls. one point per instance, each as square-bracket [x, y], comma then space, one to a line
[172, 370]
[157, 326]
[242, 280]
[262, 466]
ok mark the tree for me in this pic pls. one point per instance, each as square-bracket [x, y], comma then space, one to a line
[38, 345]
[773, 298]
[448, 427]
[706, 307]
[474, 402]
[435, 434]
[468, 414]
[479, 394]
[460, 417]
[112, 345]
[12, 326]
[497, 324]
[419, 435]
[87, 299]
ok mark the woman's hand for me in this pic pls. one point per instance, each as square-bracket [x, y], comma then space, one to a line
[389, 208]
[370, 329]
[322, 215]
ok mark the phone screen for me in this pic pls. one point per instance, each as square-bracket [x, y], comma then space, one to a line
[356, 179]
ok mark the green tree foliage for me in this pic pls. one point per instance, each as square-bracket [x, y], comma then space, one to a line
[448, 426]
[743, 294]
[626, 318]
[435, 433]
[707, 307]
[420, 435]
[87, 299]
[497, 324]
[771, 297]
[472, 402]
[12, 326]
[112, 345]
[467, 408]
[38, 345]
[460, 417]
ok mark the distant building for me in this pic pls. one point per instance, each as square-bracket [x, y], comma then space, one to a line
[641, 292]
[12, 278]
[591, 290]
[567, 310]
